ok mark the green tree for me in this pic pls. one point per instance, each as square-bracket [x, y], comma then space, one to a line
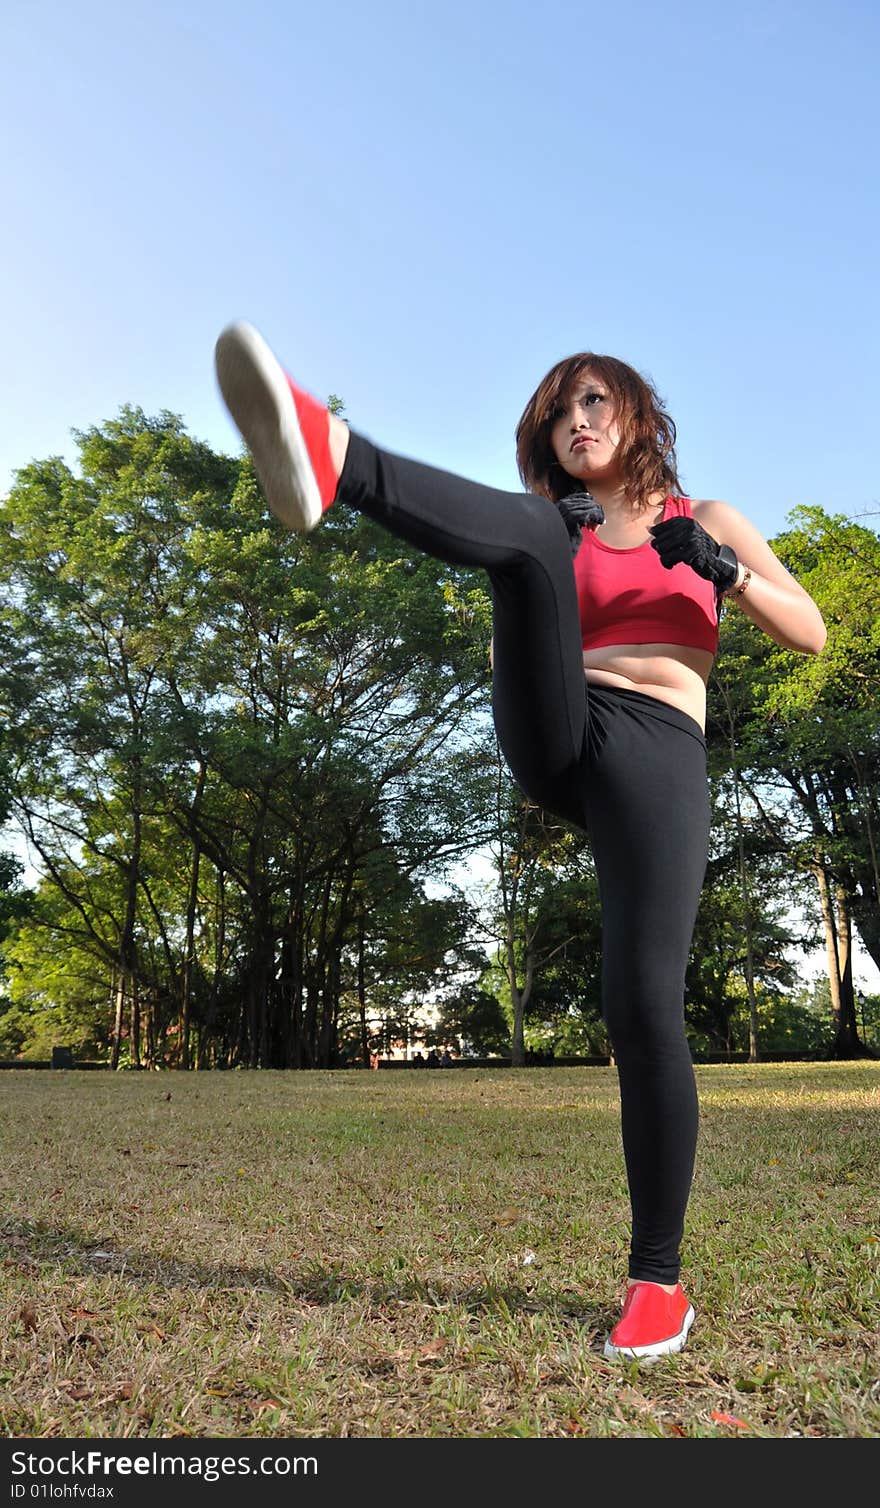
[806, 733]
[233, 746]
[475, 1020]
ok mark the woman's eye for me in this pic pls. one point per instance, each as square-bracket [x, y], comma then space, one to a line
[558, 412]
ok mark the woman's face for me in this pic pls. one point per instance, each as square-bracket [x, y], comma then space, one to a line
[585, 433]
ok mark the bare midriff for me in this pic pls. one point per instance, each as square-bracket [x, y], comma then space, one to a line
[672, 673]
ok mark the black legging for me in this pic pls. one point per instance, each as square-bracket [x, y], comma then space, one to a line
[627, 768]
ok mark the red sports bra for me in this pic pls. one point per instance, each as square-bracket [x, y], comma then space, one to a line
[629, 597]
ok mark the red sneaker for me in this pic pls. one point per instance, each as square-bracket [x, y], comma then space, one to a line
[653, 1322]
[286, 430]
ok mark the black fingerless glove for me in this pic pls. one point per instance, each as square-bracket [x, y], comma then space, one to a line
[685, 540]
[580, 511]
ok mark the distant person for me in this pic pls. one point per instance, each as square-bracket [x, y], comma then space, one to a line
[418, 1061]
[446, 1059]
[607, 584]
[433, 1058]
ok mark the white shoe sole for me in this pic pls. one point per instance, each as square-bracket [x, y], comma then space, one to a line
[652, 1353]
[257, 394]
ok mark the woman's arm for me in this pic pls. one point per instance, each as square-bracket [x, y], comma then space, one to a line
[773, 599]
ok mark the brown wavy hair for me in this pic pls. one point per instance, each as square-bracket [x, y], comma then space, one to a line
[647, 433]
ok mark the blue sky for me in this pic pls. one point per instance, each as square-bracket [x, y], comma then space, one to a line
[424, 206]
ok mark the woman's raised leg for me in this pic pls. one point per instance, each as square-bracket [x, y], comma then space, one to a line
[539, 688]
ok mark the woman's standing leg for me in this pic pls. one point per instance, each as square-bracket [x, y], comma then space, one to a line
[648, 820]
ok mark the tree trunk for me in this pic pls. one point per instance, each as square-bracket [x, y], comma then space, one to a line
[127, 961]
[744, 883]
[362, 993]
[334, 944]
[259, 975]
[862, 876]
[136, 1025]
[519, 1000]
[148, 1011]
[747, 907]
[846, 1029]
[189, 948]
[206, 1035]
[831, 949]
[846, 1042]
[117, 1019]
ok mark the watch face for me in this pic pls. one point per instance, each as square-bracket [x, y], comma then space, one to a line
[727, 557]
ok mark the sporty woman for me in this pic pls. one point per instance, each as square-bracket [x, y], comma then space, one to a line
[606, 588]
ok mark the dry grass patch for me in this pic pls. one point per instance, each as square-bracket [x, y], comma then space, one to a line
[426, 1254]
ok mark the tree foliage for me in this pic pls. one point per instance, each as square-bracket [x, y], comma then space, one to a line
[230, 745]
[246, 764]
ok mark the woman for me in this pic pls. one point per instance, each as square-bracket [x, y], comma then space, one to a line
[599, 694]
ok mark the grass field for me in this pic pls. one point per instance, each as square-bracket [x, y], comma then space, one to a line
[407, 1254]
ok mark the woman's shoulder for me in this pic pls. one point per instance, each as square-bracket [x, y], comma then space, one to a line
[730, 527]
[713, 514]
[701, 505]
[679, 504]
[711, 511]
